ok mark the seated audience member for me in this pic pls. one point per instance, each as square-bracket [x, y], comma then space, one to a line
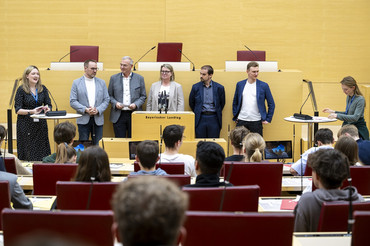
[254, 146]
[236, 137]
[65, 154]
[93, 166]
[329, 169]
[149, 211]
[172, 136]
[64, 132]
[324, 140]
[363, 145]
[349, 148]
[210, 157]
[18, 165]
[17, 196]
[147, 156]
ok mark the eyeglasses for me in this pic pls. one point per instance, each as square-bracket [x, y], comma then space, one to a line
[165, 71]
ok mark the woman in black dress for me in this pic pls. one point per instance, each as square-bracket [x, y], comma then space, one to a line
[32, 134]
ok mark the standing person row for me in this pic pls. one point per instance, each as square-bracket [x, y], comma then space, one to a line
[32, 134]
[89, 97]
[355, 106]
[127, 94]
[249, 108]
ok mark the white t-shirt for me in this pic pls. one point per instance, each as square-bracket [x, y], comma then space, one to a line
[187, 159]
[90, 87]
[126, 91]
[249, 110]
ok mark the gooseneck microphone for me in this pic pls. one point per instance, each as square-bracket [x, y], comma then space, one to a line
[143, 56]
[187, 58]
[73, 51]
[257, 59]
[300, 115]
[55, 113]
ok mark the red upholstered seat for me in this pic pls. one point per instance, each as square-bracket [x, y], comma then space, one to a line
[226, 228]
[360, 230]
[360, 179]
[74, 195]
[179, 179]
[10, 165]
[235, 198]
[334, 215]
[81, 53]
[169, 52]
[170, 168]
[246, 55]
[268, 176]
[93, 227]
[4, 197]
[45, 176]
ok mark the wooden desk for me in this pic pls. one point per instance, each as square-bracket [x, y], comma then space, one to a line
[293, 183]
[321, 239]
[118, 147]
[42, 202]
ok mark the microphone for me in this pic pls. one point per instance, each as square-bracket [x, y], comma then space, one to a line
[73, 51]
[187, 58]
[160, 146]
[351, 221]
[160, 95]
[55, 113]
[143, 56]
[300, 115]
[257, 59]
[166, 101]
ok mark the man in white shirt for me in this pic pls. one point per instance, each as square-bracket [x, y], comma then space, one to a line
[249, 108]
[324, 140]
[89, 97]
[127, 94]
[172, 136]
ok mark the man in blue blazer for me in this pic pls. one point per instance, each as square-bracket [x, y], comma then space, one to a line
[207, 99]
[249, 108]
[89, 97]
[127, 94]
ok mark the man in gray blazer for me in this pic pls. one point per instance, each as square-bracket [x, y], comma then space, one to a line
[17, 195]
[127, 94]
[89, 97]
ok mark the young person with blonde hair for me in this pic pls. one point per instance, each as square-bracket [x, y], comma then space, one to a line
[254, 146]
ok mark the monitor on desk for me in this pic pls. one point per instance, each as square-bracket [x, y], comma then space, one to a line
[132, 145]
[278, 150]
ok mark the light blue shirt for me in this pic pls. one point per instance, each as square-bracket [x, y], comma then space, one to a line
[303, 161]
[157, 172]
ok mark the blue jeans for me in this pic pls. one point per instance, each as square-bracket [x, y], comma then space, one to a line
[92, 129]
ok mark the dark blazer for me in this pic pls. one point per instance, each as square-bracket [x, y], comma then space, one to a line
[115, 90]
[196, 100]
[263, 93]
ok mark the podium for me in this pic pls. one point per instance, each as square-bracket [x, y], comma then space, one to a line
[148, 124]
[241, 66]
[71, 66]
[156, 66]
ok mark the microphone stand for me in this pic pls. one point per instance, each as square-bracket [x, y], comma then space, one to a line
[143, 56]
[68, 54]
[187, 58]
[252, 52]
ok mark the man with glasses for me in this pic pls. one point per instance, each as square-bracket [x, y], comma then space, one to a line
[207, 99]
[89, 97]
[127, 94]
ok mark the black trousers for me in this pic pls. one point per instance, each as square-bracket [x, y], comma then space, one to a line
[252, 126]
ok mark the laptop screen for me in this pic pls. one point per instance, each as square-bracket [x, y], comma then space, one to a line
[132, 148]
[278, 150]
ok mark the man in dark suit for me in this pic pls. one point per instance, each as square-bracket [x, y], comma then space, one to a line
[89, 97]
[249, 108]
[207, 99]
[127, 94]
